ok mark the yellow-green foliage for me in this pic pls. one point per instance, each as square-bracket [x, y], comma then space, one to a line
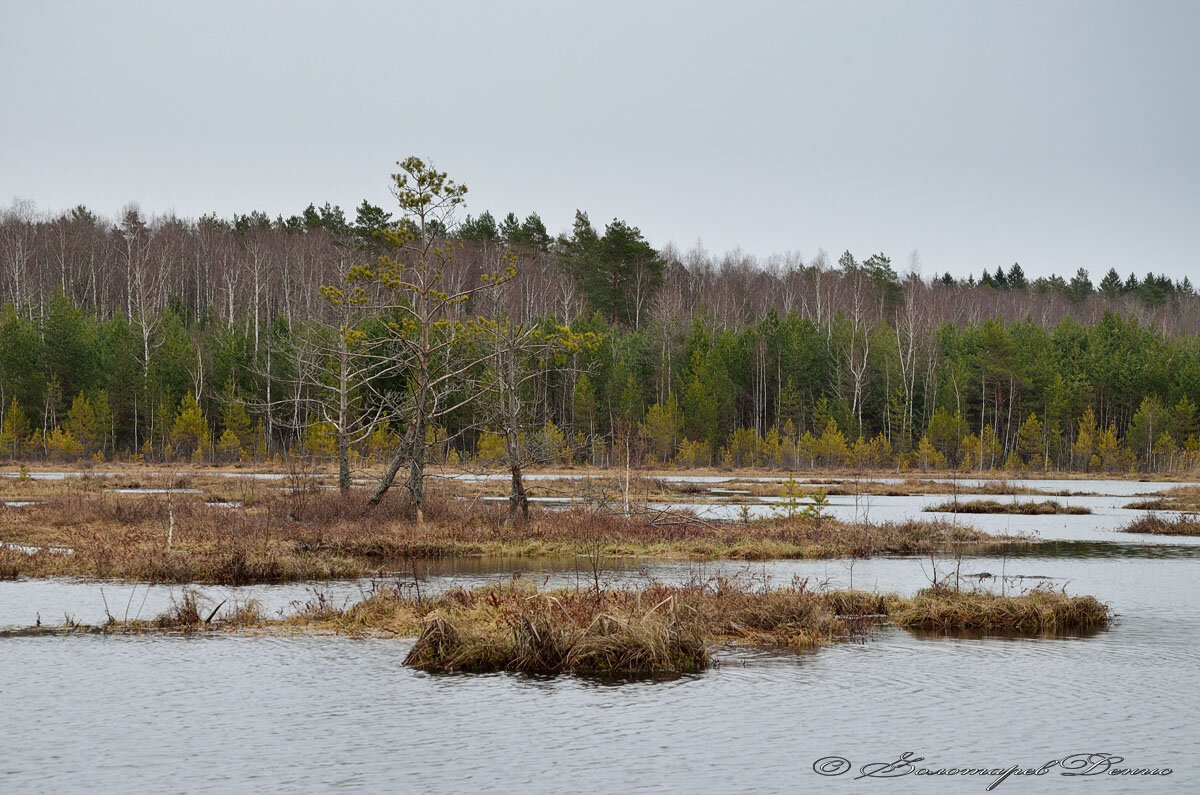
[973, 449]
[1031, 440]
[14, 431]
[228, 446]
[927, 456]
[81, 423]
[1085, 441]
[237, 422]
[946, 432]
[490, 449]
[694, 454]
[320, 439]
[860, 453]
[831, 447]
[662, 427]
[381, 441]
[61, 444]
[745, 449]
[189, 431]
[1113, 457]
[553, 445]
[102, 410]
[772, 449]
[881, 451]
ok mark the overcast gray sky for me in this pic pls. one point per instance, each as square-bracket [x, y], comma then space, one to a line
[1057, 134]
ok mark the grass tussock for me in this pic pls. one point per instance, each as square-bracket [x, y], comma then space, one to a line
[1028, 508]
[652, 630]
[1041, 611]
[1154, 524]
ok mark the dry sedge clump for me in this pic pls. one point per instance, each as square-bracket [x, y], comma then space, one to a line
[184, 613]
[1038, 612]
[1153, 524]
[996, 506]
[515, 628]
[659, 629]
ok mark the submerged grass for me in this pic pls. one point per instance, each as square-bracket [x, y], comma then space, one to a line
[1028, 508]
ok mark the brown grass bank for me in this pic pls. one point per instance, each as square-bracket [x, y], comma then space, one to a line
[274, 534]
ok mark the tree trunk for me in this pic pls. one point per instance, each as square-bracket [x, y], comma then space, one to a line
[518, 500]
[416, 471]
[343, 460]
[389, 477]
[343, 417]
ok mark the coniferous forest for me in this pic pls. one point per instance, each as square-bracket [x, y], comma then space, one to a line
[458, 338]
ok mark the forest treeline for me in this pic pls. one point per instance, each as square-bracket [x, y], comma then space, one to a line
[459, 337]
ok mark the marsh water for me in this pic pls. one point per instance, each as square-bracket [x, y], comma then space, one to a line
[312, 714]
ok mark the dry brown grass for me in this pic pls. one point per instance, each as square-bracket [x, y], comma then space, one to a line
[11, 563]
[1029, 508]
[1041, 611]
[1179, 498]
[1154, 524]
[650, 630]
[286, 534]
[655, 629]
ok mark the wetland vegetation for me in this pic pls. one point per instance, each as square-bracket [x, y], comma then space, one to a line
[1026, 508]
[654, 629]
[231, 531]
[1155, 524]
